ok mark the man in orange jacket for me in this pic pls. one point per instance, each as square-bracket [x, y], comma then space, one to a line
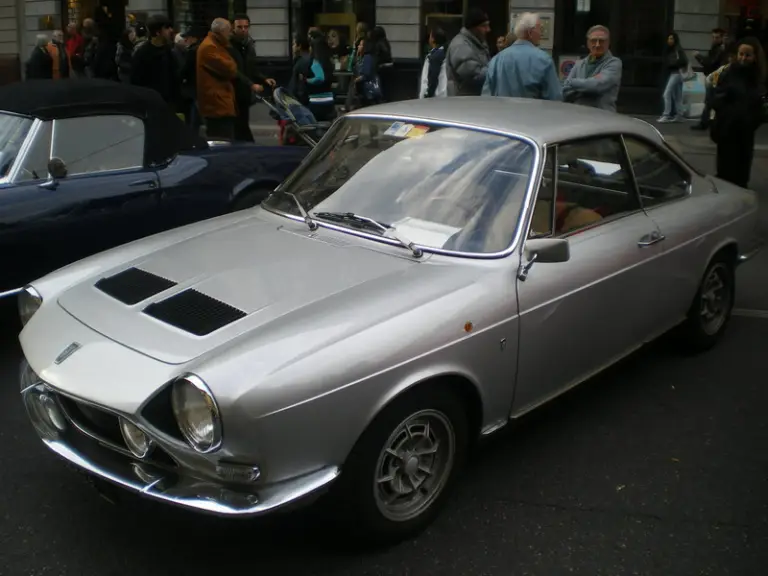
[216, 72]
[59, 56]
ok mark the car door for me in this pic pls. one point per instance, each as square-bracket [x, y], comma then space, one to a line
[106, 199]
[665, 186]
[578, 316]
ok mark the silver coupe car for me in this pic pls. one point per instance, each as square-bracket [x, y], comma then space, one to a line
[431, 271]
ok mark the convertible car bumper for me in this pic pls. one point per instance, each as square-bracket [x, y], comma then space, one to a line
[163, 481]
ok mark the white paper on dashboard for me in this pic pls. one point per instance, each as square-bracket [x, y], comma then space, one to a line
[424, 232]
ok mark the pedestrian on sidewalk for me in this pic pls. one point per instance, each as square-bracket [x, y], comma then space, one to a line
[153, 64]
[715, 58]
[467, 57]
[676, 64]
[215, 75]
[243, 50]
[322, 103]
[434, 78]
[523, 70]
[595, 80]
[738, 105]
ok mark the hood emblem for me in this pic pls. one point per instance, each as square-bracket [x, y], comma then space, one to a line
[67, 352]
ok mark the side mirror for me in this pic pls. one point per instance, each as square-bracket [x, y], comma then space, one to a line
[545, 250]
[57, 169]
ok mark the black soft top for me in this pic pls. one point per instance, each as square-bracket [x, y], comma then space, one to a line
[165, 133]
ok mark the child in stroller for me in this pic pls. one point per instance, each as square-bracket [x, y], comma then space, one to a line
[298, 125]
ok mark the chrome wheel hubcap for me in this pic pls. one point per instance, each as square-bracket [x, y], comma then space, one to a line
[415, 465]
[715, 299]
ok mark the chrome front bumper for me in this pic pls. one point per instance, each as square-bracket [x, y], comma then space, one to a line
[163, 483]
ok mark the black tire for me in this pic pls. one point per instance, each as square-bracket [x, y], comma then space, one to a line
[250, 198]
[355, 494]
[697, 333]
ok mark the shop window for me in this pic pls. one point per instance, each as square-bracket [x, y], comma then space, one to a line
[444, 14]
[338, 18]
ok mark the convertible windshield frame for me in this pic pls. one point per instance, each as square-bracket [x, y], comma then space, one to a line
[36, 123]
[522, 218]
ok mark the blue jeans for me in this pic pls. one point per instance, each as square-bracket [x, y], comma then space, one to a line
[673, 96]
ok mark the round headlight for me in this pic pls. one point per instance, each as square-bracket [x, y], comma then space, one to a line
[29, 302]
[137, 441]
[196, 414]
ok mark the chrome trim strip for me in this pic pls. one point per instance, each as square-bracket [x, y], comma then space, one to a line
[9, 293]
[31, 135]
[522, 219]
[269, 499]
[747, 256]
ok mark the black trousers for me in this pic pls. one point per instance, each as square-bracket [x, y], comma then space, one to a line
[220, 128]
[243, 123]
[734, 157]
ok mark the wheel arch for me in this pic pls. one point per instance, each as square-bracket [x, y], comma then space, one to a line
[462, 385]
[250, 185]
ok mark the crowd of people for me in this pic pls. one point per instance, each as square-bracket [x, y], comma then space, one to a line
[735, 71]
[210, 76]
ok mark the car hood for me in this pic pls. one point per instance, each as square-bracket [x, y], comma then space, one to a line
[238, 279]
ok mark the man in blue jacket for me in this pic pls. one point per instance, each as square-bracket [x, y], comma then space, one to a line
[595, 80]
[523, 70]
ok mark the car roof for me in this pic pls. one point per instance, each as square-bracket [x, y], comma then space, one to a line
[542, 121]
[166, 134]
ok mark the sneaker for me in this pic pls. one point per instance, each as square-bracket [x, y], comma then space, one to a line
[664, 120]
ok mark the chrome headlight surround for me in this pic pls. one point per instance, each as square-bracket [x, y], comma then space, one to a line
[197, 413]
[29, 303]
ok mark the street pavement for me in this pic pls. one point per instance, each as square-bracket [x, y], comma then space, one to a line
[657, 467]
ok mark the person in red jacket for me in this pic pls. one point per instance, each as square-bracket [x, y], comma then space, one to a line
[75, 47]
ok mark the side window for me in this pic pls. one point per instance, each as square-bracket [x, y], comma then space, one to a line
[593, 184]
[541, 222]
[659, 178]
[99, 143]
[35, 164]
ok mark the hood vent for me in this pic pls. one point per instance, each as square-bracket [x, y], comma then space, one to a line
[132, 286]
[194, 312]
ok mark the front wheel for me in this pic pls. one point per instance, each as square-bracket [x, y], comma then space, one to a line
[400, 472]
[712, 306]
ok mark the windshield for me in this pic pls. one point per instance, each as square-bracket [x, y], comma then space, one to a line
[441, 187]
[13, 132]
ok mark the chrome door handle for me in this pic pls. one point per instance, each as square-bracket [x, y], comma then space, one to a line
[651, 239]
[148, 182]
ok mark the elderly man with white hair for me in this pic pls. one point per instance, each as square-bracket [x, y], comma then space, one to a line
[523, 70]
[594, 81]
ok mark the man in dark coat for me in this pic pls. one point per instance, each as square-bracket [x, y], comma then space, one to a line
[244, 53]
[154, 65]
[710, 62]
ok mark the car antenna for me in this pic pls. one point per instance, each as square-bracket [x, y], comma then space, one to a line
[311, 224]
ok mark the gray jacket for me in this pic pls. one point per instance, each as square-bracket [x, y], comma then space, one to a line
[599, 87]
[466, 64]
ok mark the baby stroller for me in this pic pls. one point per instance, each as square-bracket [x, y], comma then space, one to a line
[298, 126]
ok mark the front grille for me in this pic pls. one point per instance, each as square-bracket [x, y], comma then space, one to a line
[194, 312]
[132, 286]
[94, 421]
[104, 427]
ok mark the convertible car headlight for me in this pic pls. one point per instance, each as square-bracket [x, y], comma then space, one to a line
[196, 414]
[29, 302]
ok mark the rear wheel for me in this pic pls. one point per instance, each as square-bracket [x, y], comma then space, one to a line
[402, 469]
[712, 306]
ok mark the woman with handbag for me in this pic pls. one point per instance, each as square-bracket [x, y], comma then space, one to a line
[367, 79]
[737, 103]
[676, 66]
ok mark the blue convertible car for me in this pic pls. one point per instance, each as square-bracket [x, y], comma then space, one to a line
[86, 165]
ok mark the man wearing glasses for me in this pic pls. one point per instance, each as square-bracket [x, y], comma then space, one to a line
[595, 80]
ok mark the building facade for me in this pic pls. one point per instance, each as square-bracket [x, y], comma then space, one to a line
[638, 27]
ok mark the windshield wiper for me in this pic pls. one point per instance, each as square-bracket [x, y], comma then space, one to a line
[311, 224]
[386, 229]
